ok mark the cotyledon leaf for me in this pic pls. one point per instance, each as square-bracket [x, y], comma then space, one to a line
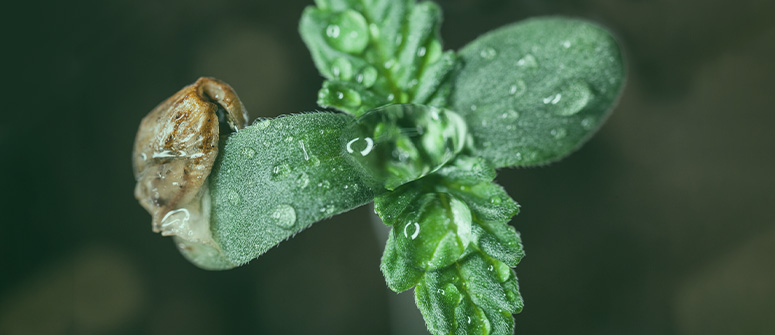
[377, 52]
[534, 91]
[276, 178]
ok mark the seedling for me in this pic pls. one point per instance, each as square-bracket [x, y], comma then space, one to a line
[417, 130]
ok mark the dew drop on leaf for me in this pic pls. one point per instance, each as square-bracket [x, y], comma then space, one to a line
[571, 98]
[347, 97]
[367, 77]
[559, 133]
[528, 61]
[281, 170]
[488, 53]
[400, 143]
[234, 198]
[518, 88]
[302, 180]
[342, 69]
[248, 153]
[588, 123]
[348, 32]
[284, 216]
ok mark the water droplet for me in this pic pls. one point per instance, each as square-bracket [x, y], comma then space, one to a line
[559, 133]
[510, 115]
[495, 200]
[302, 180]
[588, 123]
[341, 68]
[504, 271]
[347, 97]
[421, 51]
[390, 63]
[571, 98]
[518, 88]
[304, 150]
[248, 153]
[488, 53]
[367, 77]
[284, 216]
[566, 44]
[553, 99]
[348, 32]
[412, 230]
[490, 268]
[440, 291]
[234, 198]
[473, 108]
[281, 170]
[400, 143]
[527, 61]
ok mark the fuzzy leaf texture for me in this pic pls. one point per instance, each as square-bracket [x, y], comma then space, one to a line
[534, 91]
[377, 52]
[277, 177]
[451, 239]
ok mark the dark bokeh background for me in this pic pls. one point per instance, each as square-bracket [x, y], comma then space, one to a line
[661, 224]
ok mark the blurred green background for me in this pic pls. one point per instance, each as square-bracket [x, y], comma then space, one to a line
[661, 224]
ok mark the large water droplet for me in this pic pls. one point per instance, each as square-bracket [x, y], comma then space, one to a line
[400, 143]
[367, 77]
[571, 98]
[341, 68]
[348, 32]
[284, 216]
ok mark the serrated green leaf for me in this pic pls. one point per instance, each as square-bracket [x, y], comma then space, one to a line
[277, 177]
[432, 232]
[386, 51]
[478, 295]
[534, 91]
[400, 274]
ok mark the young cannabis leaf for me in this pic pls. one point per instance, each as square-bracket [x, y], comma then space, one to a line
[377, 52]
[421, 135]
